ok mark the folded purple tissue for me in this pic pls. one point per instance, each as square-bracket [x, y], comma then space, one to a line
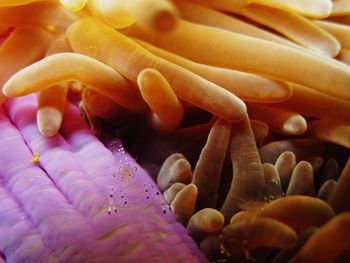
[68, 198]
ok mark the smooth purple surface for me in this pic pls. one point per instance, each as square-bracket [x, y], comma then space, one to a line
[58, 208]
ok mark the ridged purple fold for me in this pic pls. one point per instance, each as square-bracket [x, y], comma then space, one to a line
[81, 202]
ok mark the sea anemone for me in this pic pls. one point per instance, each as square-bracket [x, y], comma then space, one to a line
[237, 110]
[267, 205]
[67, 198]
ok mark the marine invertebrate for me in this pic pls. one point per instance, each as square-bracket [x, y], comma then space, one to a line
[268, 218]
[248, 58]
[297, 54]
[337, 226]
[206, 87]
[74, 204]
[167, 111]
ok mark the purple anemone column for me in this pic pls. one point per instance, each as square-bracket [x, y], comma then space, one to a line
[79, 201]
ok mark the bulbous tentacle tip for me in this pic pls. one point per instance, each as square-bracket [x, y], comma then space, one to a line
[74, 5]
[49, 121]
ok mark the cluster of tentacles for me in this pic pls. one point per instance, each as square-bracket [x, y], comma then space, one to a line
[253, 94]
[238, 208]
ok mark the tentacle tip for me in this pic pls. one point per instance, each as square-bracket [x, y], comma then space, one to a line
[217, 220]
[239, 112]
[73, 5]
[192, 188]
[290, 240]
[295, 125]
[8, 91]
[164, 21]
[49, 121]
[285, 92]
